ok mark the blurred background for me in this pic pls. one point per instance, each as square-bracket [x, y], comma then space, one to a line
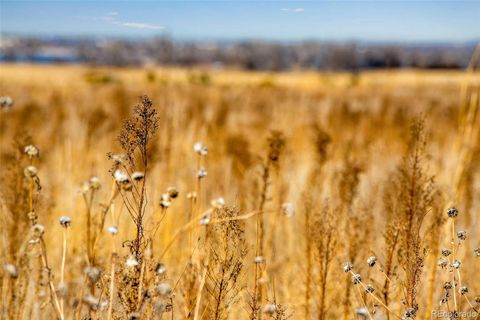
[253, 35]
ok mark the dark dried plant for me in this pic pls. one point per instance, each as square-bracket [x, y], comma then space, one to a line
[276, 146]
[324, 235]
[228, 251]
[135, 138]
[414, 188]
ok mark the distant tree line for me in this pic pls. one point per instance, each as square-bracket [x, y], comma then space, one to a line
[250, 55]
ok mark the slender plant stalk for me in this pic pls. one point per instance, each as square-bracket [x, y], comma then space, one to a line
[62, 270]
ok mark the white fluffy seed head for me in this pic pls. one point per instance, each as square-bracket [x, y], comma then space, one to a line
[197, 147]
[347, 266]
[218, 203]
[456, 264]
[10, 270]
[288, 209]
[137, 176]
[200, 148]
[160, 268]
[269, 308]
[120, 176]
[93, 274]
[38, 230]
[164, 289]
[202, 173]
[6, 103]
[205, 220]
[94, 183]
[131, 262]
[165, 201]
[113, 230]
[259, 259]
[30, 172]
[31, 151]
[65, 221]
[371, 261]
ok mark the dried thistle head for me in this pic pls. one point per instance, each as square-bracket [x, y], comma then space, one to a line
[10, 270]
[218, 203]
[347, 267]
[32, 151]
[6, 103]
[288, 209]
[452, 212]
[65, 221]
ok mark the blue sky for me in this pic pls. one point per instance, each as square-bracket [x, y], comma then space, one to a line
[278, 20]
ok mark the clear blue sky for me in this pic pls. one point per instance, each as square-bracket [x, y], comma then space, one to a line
[279, 20]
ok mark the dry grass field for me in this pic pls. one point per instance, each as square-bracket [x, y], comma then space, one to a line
[220, 194]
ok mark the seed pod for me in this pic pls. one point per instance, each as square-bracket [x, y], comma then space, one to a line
[372, 261]
[356, 279]
[65, 221]
[347, 267]
[452, 212]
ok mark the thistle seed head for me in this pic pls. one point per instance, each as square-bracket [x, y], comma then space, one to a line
[31, 151]
[205, 220]
[347, 267]
[6, 103]
[92, 302]
[447, 285]
[165, 201]
[369, 288]
[202, 173]
[477, 252]
[160, 268]
[269, 308]
[131, 262]
[456, 264]
[134, 316]
[94, 183]
[288, 209]
[452, 212]
[446, 252]
[118, 158]
[356, 279]
[93, 274]
[172, 192]
[62, 289]
[38, 230]
[121, 177]
[200, 148]
[442, 262]
[30, 172]
[371, 261]
[362, 312]
[259, 259]
[137, 176]
[218, 203]
[462, 235]
[10, 270]
[410, 312]
[113, 230]
[463, 290]
[164, 289]
[65, 221]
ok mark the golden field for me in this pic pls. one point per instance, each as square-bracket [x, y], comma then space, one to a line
[308, 176]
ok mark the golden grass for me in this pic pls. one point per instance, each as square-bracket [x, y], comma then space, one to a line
[356, 177]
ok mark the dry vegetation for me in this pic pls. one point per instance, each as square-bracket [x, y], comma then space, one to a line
[203, 194]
